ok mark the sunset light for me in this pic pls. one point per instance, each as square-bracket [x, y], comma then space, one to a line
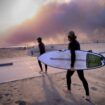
[59, 1]
[67, 1]
[25, 9]
[18, 11]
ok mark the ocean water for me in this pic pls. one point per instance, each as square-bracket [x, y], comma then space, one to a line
[15, 52]
[95, 47]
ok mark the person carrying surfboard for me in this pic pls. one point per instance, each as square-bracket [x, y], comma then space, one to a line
[42, 51]
[72, 46]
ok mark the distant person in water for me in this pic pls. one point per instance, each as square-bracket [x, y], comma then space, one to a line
[42, 50]
[73, 46]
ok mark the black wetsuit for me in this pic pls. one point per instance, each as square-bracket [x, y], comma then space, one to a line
[74, 45]
[42, 50]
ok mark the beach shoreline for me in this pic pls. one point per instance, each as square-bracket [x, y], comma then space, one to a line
[48, 89]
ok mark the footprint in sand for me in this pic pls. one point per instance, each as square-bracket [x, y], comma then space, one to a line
[19, 102]
[94, 88]
[5, 98]
[1, 96]
[75, 84]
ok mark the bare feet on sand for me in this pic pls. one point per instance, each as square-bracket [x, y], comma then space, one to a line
[40, 71]
[67, 91]
[88, 98]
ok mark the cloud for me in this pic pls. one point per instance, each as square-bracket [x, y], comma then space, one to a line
[85, 17]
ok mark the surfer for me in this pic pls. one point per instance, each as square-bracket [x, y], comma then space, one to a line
[42, 50]
[72, 46]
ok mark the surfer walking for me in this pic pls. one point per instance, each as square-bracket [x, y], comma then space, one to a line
[42, 50]
[72, 46]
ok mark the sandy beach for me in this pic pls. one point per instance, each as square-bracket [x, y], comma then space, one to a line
[48, 89]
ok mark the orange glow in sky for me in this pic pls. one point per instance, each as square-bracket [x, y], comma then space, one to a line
[16, 12]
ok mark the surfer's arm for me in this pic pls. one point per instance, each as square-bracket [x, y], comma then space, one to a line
[72, 58]
[72, 51]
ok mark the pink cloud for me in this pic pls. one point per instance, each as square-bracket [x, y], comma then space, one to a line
[57, 19]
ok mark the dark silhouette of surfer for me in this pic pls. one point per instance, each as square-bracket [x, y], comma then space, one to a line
[73, 46]
[42, 51]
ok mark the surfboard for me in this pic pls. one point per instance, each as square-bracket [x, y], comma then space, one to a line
[62, 59]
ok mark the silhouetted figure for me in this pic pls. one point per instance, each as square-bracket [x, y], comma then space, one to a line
[42, 50]
[73, 46]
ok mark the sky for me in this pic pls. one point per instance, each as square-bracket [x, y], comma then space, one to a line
[22, 21]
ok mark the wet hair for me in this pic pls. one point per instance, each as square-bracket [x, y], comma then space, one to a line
[39, 39]
[72, 35]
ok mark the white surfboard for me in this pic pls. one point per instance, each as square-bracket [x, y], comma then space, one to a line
[62, 59]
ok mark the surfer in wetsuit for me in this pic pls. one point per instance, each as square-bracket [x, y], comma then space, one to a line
[72, 46]
[42, 50]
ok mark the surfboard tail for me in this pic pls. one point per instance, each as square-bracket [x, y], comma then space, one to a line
[104, 60]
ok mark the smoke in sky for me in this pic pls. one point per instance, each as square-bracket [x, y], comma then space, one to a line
[55, 20]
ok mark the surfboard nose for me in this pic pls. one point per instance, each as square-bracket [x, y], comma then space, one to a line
[103, 59]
